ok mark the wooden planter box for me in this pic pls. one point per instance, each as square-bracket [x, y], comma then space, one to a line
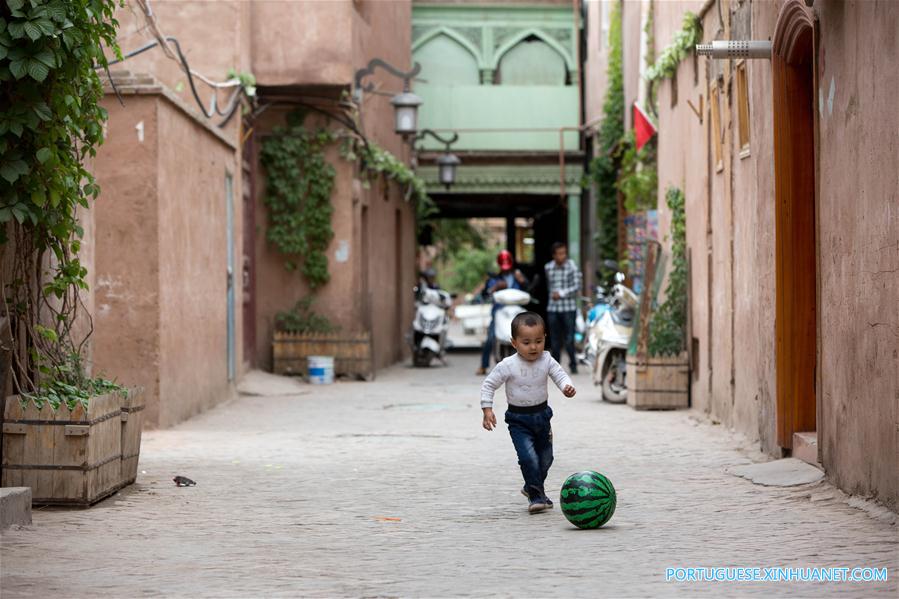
[662, 383]
[67, 458]
[352, 353]
[132, 424]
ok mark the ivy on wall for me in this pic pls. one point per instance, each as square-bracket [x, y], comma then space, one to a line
[667, 329]
[603, 169]
[689, 35]
[638, 177]
[375, 162]
[51, 121]
[299, 182]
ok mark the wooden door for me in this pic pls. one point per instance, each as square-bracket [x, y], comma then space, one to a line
[795, 228]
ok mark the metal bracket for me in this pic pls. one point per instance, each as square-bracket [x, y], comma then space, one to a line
[446, 142]
[377, 62]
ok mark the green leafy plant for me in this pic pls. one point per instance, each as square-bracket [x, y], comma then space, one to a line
[638, 177]
[51, 121]
[57, 393]
[303, 319]
[247, 81]
[450, 236]
[603, 169]
[684, 40]
[375, 161]
[299, 182]
[467, 268]
[667, 329]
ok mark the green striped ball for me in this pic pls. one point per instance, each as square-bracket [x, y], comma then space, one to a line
[588, 499]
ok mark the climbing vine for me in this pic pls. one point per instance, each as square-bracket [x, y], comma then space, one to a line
[638, 177]
[689, 35]
[667, 329]
[303, 319]
[51, 121]
[299, 182]
[603, 169]
[375, 161]
[299, 185]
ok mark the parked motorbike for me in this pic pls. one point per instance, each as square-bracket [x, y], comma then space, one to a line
[430, 325]
[590, 348]
[611, 334]
[513, 302]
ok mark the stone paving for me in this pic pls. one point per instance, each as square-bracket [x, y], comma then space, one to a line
[391, 488]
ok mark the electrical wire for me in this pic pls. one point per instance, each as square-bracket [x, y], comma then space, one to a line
[230, 106]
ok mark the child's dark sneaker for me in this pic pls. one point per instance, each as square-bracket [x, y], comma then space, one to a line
[548, 502]
[537, 505]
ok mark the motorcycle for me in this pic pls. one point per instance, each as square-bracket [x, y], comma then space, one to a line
[611, 334]
[430, 325]
[512, 303]
[592, 334]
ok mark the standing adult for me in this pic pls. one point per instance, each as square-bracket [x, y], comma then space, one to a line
[508, 277]
[563, 278]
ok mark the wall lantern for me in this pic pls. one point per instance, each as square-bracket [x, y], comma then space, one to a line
[446, 162]
[735, 49]
[405, 104]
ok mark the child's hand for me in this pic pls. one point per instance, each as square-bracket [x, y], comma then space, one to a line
[568, 391]
[489, 419]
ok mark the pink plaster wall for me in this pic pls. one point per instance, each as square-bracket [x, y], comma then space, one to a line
[160, 258]
[192, 265]
[595, 62]
[384, 305]
[126, 245]
[730, 233]
[300, 43]
[630, 56]
[858, 228]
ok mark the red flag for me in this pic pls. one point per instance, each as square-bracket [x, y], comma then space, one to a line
[643, 127]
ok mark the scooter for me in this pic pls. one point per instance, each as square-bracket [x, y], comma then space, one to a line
[430, 325]
[592, 333]
[513, 302]
[613, 331]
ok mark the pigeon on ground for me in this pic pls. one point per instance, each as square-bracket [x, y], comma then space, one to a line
[183, 481]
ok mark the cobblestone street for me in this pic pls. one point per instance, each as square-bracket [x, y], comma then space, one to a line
[391, 488]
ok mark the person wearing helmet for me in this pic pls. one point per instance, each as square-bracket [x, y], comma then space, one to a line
[429, 278]
[508, 277]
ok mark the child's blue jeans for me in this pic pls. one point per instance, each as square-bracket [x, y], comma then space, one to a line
[532, 436]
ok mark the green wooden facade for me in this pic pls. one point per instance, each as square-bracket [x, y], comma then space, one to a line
[505, 77]
[497, 67]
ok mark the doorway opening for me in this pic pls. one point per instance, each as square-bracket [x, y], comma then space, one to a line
[795, 228]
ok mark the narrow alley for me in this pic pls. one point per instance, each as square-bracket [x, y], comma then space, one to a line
[391, 488]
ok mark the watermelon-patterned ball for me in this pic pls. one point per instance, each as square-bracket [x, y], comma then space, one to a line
[588, 499]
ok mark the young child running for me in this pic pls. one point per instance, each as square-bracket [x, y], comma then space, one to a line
[524, 374]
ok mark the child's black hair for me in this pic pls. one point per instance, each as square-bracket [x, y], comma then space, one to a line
[529, 319]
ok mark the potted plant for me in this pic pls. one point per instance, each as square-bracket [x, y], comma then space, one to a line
[658, 374]
[301, 333]
[62, 428]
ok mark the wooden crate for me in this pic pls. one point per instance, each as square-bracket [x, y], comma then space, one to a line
[132, 425]
[66, 457]
[661, 383]
[352, 353]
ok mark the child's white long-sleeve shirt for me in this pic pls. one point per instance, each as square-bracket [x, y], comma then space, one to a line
[525, 381]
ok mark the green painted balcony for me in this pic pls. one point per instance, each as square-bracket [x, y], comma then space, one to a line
[509, 71]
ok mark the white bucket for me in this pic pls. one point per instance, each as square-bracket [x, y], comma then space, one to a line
[321, 370]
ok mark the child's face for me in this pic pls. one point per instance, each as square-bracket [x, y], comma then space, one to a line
[529, 341]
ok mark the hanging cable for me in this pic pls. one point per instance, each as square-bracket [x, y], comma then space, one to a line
[163, 41]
